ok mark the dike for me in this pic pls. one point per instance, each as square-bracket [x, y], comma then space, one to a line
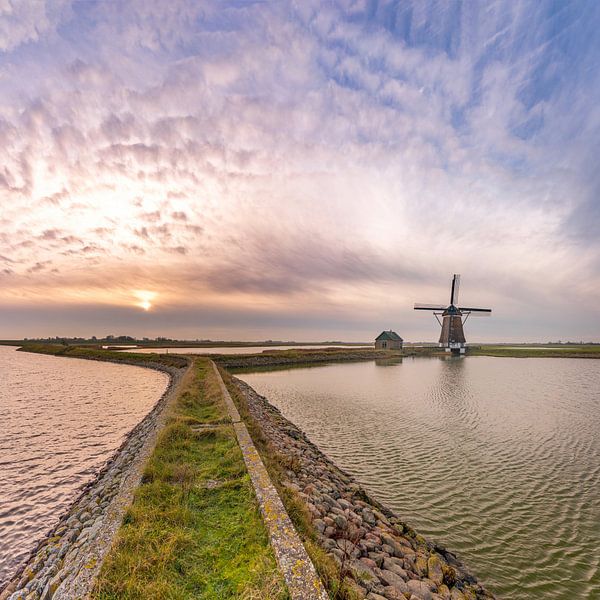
[65, 563]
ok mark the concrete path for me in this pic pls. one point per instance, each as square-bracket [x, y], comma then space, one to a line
[299, 573]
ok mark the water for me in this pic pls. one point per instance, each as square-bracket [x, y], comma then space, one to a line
[62, 418]
[496, 458]
[236, 350]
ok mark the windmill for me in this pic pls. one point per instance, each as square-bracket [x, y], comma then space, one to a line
[453, 318]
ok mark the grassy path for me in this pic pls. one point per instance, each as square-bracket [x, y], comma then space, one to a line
[194, 529]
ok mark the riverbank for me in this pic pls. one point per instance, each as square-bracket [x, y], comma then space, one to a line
[304, 357]
[152, 360]
[375, 555]
[65, 562]
[557, 351]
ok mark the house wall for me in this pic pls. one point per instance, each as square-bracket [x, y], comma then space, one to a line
[389, 345]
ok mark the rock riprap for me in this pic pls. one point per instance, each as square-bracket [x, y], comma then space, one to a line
[383, 556]
[64, 564]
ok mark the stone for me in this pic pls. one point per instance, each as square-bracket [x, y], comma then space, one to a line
[71, 535]
[389, 550]
[338, 553]
[421, 566]
[369, 545]
[363, 574]
[368, 516]
[373, 596]
[51, 587]
[341, 521]
[434, 569]
[420, 589]
[313, 509]
[319, 525]
[444, 592]
[391, 593]
[380, 517]
[368, 562]
[391, 565]
[377, 558]
[394, 580]
[395, 548]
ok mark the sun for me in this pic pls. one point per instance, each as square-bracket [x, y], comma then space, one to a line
[145, 299]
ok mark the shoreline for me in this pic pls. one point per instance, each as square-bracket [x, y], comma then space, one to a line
[383, 556]
[64, 563]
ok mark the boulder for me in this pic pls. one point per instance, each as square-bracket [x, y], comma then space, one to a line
[393, 579]
[420, 589]
[434, 569]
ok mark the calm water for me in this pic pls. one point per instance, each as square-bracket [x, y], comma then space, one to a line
[233, 350]
[496, 458]
[62, 419]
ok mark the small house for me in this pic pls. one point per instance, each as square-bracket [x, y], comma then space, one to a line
[388, 340]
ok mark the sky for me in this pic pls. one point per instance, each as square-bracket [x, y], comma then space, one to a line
[298, 170]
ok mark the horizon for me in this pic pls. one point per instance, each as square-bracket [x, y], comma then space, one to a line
[147, 340]
[252, 171]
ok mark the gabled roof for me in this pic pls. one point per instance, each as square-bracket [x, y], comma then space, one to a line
[389, 335]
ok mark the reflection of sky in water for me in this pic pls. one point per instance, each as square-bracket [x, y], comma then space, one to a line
[497, 458]
[61, 420]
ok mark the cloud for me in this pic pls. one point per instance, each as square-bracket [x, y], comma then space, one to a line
[348, 155]
[29, 20]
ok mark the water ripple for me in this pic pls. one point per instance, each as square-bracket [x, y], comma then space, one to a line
[61, 420]
[497, 458]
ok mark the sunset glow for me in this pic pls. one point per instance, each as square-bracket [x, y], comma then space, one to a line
[145, 299]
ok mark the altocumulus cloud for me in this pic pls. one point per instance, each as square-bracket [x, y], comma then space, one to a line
[298, 169]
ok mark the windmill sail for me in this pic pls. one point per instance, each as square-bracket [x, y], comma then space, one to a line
[476, 312]
[419, 306]
[455, 286]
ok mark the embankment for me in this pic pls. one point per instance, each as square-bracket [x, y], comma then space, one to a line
[301, 357]
[65, 563]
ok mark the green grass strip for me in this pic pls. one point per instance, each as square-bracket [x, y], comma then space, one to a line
[564, 351]
[194, 529]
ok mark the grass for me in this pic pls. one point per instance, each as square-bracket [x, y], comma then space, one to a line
[545, 351]
[338, 587]
[168, 360]
[194, 529]
[301, 357]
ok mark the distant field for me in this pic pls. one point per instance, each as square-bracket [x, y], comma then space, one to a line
[545, 351]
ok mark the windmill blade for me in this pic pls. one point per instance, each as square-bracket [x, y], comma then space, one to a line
[476, 312]
[419, 306]
[455, 286]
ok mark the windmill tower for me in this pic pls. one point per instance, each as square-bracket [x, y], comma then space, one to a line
[453, 318]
